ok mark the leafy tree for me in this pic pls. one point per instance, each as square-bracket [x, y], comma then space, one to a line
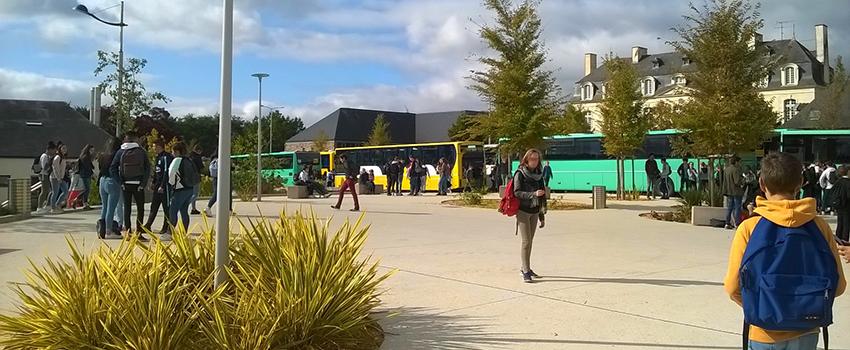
[833, 96]
[320, 143]
[466, 128]
[203, 129]
[623, 122]
[282, 127]
[523, 96]
[573, 120]
[380, 134]
[136, 99]
[725, 112]
[661, 115]
[157, 118]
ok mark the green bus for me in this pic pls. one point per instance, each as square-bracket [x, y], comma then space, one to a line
[578, 161]
[285, 165]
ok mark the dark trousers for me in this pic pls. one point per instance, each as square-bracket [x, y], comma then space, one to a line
[348, 184]
[391, 180]
[414, 185]
[157, 200]
[86, 189]
[827, 200]
[843, 229]
[398, 185]
[134, 193]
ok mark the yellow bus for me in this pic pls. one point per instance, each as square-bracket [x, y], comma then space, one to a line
[461, 155]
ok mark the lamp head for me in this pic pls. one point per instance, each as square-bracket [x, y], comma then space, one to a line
[259, 75]
[81, 8]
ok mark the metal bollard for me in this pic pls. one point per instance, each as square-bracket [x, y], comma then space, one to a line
[599, 197]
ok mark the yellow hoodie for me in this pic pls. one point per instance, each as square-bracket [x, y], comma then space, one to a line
[788, 213]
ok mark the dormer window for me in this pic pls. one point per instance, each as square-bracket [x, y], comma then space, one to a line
[686, 61]
[588, 117]
[679, 79]
[647, 86]
[790, 75]
[587, 92]
[657, 63]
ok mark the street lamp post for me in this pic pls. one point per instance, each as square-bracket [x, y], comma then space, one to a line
[120, 24]
[260, 77]
[222, 215]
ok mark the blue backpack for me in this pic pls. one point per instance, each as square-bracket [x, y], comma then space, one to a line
[788, 279]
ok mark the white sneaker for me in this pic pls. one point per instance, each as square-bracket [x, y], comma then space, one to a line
[208, 213]
[165, 237]
[42, 211]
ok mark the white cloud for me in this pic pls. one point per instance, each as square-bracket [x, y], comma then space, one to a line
[32, 86]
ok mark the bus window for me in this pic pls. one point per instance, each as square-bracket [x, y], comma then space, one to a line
[325, 161]
[284, 161]
[307, 158]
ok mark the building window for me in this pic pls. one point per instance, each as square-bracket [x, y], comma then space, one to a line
[587, 92]
[647, 86]
[588, 117]
[790, 109]
[790, 75]
[686, 61]
[679, 80]
[657, 63]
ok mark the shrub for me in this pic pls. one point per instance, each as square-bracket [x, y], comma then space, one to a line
[471, 198]
[292, 285]
[94, 194]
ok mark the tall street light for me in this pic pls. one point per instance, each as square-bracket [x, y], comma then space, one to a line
[271, 124]
[120, 24]
[222, 214]
[259, 77]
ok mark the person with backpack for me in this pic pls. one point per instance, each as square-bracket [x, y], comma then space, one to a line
[57, 178]
[214, 175]
[666, 184]
[414, 172]
[733, 189]
[133, 169]
[784, 268]
[183, 177]
[350, 183]
[827, 180]
[693, 177]
[43, 168]
[393, 177]
[841, 203]
[809, 181]
[528, 189]
[198, 161]
[159, 182]
[682, 170]
[110, 190]
[85, 169]
[652, 176]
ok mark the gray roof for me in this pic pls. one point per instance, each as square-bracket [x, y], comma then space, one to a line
[58, 122]
[810, 116]
[351, 125]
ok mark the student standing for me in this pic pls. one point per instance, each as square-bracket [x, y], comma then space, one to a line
[160, 186]
[786, 248]
[666, 184]
[198, 161]
[350, 183]
[85, 168]
[45, 168]
[841, 203]
[682, 171]
[413, 172]
[133, 168]
[530, 190]
[652, 176]
[392, 176]
[444, 170]
[826, 181]
[57, 178]
[109, 191]
[733, 189]
[183, 178]
[214, 175]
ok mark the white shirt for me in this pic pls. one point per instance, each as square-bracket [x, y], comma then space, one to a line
[46, 162]
[303, 176]
[58, 168]
[174, 173]
[824, 178]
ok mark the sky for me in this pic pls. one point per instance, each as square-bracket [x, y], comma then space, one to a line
[396, 55]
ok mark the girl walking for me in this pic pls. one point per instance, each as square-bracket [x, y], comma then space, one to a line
[530, 190]
[57, 178]
[110, 192]
[85, 168]
[183, 178]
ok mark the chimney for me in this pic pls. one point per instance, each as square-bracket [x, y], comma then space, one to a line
[589, 63]
[638, 53]
[94, 105]
[822, 47]
[756, 40]
[91, 106]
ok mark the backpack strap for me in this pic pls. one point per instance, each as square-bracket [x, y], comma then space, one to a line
[746, 336]
[826, 338]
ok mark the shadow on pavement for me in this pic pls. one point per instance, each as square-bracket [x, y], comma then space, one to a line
[654, 282]
[421, 328]
[55, 225]
[639, 207]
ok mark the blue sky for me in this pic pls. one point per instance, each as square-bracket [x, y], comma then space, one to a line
[321, 55]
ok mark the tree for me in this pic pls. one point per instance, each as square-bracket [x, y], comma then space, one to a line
[725, 112]
[157, 118]
[380, 134]
[523, 96]
[624, 123]
[203, 129]
[834, 94]
[466, 128]
[573, 120]
[136, 99]
[320, 143]
[661, 115]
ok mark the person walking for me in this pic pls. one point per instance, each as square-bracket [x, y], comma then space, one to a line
[85, 169]
[547, 174]
[733, 189]
[443, 170]
[841, 203]
[214, 175]
[110, 191]
[44, 169]
[810, 181]
[159, 184]
[57, 178]
[693, 177]
[133, 168]
[703, 176]
[197, 160]
[652, 176]
[182, 179]
[350, 183]
[682, 171]
[666, 184]
[827, 180]
[529, 188]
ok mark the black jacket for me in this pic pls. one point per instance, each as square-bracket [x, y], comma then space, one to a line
[841, 194]
[160, 176]
[526, 182]
[198, 161]
[651, 168]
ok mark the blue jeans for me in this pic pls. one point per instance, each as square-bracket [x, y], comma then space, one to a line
[806, 342]
[109, 197]
[733, 209]
[195, 192]
[180, 203]
[444, 184]
[86, 189]
[60, 192]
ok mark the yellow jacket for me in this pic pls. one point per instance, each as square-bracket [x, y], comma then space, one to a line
[788, 213]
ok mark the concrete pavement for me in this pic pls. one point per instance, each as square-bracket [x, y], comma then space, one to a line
[612, 279]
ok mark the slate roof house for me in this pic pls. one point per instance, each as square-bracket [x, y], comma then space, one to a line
[798, 79]
[347, 127]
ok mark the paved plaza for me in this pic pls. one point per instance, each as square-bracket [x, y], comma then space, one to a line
[612, 279]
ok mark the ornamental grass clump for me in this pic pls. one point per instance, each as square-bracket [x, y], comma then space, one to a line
[292, 285]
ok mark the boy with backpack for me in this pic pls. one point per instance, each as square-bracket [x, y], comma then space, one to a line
[133, 168]
[784, 267]
[183, 178]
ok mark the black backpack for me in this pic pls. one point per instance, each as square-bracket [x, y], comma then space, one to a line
[832, 178]
[189, 176]
[36, 165]
[133, 163]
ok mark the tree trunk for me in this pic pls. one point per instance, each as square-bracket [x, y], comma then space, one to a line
[620, 178]
[711, 184]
